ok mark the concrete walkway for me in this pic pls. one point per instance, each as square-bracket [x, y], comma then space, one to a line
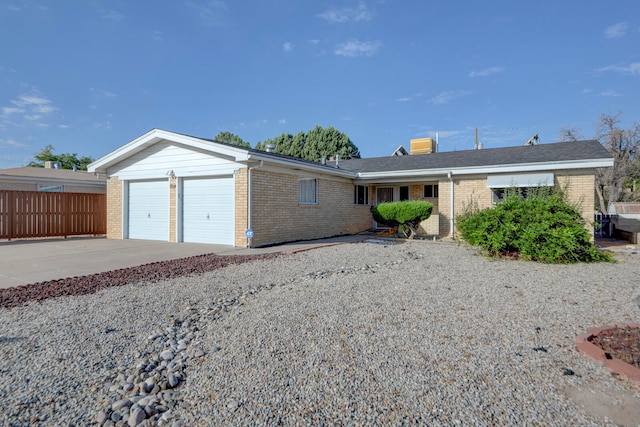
[31, 261]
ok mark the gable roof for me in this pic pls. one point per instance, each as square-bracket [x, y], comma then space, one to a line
[542, 157]
[555, 156]
[239, 154]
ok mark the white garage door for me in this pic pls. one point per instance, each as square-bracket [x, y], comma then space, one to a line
[208, 214]
[149, 210]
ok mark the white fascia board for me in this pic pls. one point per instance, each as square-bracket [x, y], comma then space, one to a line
[424, 174]
[293, 164]
[156, 135]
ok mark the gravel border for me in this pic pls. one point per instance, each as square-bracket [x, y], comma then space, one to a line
[355, 334]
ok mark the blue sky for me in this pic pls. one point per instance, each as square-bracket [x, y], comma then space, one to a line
[88, 77]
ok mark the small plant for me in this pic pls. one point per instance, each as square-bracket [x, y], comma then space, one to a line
[406, 215]
[540, 227]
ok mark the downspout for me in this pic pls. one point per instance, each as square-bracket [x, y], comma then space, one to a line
[249, 196]
[451, 222]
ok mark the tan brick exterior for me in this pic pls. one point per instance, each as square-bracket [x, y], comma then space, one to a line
[241, 207]
[473, 192]
[277, 216]
[114, 208]
[580, 190]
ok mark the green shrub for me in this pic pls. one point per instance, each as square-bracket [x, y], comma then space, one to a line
[541, 227]
[406, 215]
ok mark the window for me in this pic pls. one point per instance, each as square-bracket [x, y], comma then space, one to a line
[430, 191]
[50, 188]
[498, 194]
[308, 191]
[361, 195]
[404, 193]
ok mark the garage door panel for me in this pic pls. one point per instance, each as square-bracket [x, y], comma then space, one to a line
[149, 210]
[208, 214]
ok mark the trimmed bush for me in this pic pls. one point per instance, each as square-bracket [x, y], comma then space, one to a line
[541, 228]
[406, 215]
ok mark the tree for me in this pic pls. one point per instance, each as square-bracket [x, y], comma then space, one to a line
[313, 145]
[230, 138]
[613, 184]
[67, 160]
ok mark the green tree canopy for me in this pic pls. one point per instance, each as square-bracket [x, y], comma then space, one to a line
[313, 145]
[67, 160]
[231, 138]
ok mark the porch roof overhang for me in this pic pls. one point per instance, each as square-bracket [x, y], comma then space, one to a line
[419, 175]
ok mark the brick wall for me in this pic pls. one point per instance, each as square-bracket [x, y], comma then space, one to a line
[578, 186]
[114, 208]
[430, 226]
[277, 216]
[241, 207]
[580, 190]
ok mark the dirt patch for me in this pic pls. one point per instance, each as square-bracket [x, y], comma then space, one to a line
[620, 407]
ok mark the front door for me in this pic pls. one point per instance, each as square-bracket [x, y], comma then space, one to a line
[383, 195]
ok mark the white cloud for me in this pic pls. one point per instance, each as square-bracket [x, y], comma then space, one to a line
[446, 97]
[314, 41]
[610, 93]
[287, 47]
[282, 121]
[157, 35]
[112, 15]
[633, 68]
[33, 107]
[211, 12]
[586, 91]
[10, 110]
[13, 143]
[616, 30]
[359, 13]
[101, 93]
[354, 48]
[102, 125]
[486, 72]
[405, 99]
[63, 126]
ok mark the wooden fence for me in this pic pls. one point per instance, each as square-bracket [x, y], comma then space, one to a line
[26, 214]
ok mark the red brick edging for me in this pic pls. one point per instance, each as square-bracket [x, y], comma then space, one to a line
[615, 365]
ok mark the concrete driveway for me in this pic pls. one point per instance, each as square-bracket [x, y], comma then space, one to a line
[24, 262]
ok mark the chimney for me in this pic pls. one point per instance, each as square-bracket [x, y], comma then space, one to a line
[269, 148]
[422, 146]
[323, 160]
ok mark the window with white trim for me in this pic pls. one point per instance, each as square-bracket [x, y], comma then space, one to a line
[361, 195]
[308, 191]
[430, 191]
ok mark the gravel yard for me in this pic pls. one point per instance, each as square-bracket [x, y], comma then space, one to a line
[355, 334]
